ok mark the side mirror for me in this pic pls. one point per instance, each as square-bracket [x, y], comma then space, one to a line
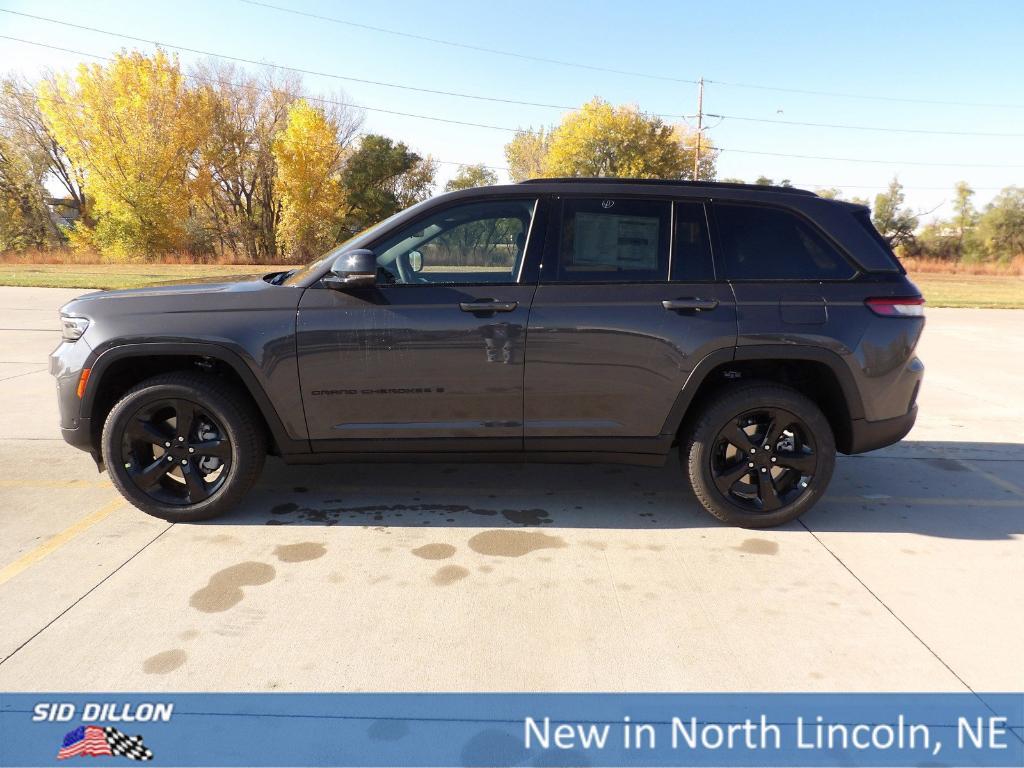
[353, 269]
[415, 261]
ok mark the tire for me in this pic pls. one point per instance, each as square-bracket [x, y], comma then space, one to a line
[785, 480]
[208, 470]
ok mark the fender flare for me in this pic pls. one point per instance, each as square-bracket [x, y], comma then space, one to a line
[285, 443]
[833, 361]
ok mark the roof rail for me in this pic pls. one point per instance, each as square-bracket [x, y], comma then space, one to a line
[669, 183]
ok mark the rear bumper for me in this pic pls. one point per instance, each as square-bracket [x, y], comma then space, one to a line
[870, 435]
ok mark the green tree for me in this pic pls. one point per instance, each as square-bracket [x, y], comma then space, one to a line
[380, 178]
[830, 193]
[892, 219]
[600, 139]
[1001, 227]
[965, 217]
[469, 176]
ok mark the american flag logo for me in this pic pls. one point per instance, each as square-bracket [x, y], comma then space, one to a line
[96, 741]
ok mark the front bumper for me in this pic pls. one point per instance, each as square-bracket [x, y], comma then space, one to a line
[66, 364]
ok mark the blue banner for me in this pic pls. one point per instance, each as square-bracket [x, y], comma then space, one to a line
[513, 729]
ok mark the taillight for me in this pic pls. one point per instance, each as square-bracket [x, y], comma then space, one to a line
[897, 306]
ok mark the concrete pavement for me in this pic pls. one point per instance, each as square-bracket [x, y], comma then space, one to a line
[908, 576]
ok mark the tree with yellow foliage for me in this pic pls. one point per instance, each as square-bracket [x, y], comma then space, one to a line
[308, 156]
[134, 127]
[600, 139]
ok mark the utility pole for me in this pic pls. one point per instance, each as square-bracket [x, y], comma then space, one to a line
[700, 125]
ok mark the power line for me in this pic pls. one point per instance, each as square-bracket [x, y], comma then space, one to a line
[866, 160]
[508, 129]
[319, 99]
[494, 99]
[882, 129]
[867, 97]
[470, 47]
[648, 75]
[300, 70]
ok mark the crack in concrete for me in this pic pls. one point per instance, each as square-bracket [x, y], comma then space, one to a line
[88, 592]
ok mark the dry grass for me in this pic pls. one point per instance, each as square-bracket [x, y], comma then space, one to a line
[109, 276]
[78, 258]
[1013, 267]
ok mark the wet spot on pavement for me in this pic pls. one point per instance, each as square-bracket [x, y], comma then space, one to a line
[434, 551]
[224, 590]
[950, 465]
[332, 512]
[298, 553]
[164, 662]
[449, 574]
[527, 516]
[513, 543]
[758, 547]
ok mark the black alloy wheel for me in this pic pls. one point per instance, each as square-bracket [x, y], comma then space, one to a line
[758, 454]
[176, 452]
[764, 459]
[184, 446]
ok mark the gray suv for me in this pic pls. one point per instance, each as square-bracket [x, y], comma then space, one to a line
[759, 329]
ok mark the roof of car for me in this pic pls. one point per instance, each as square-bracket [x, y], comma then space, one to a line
[671, 183]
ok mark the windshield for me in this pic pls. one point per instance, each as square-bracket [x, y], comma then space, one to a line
[356, 241]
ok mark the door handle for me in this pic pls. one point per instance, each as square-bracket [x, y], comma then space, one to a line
[689, 304]
[488, 305]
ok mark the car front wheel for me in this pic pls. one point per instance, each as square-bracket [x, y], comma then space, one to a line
[759, 455]
[183, 447]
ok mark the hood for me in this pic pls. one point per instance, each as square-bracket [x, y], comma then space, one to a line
[171, 289]
[180, 295]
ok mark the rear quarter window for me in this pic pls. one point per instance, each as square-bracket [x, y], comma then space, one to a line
[766, 243]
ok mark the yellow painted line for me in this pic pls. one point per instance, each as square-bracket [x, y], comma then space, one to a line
[56, 542]
[1006, 485]
[57, 484]
[916, 501]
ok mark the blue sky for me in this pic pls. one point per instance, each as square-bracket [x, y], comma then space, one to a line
[956, 52]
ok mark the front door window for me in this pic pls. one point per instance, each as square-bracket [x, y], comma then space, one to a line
[471, 244]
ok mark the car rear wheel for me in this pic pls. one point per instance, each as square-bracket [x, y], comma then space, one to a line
[759, 455]
[183, 447]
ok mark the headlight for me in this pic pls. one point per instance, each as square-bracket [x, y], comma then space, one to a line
[72, 328]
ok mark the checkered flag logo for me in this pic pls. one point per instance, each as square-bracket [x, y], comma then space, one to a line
[127, 746]
[94, 741]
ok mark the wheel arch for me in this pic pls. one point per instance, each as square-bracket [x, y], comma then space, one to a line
[119, 368]
[818, 373]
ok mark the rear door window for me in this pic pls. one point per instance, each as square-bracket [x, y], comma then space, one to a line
[765, 243]
[614, 240]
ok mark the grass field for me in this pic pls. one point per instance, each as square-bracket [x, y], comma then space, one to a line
[941, 290]
[988, 291]
[108, 276]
